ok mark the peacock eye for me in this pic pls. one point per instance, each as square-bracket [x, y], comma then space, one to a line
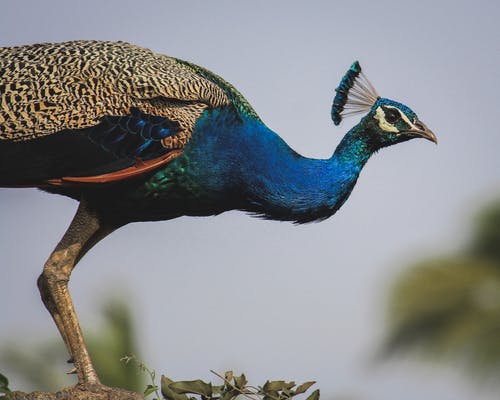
[392, 115]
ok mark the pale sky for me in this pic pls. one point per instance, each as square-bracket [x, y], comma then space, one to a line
[271, 299]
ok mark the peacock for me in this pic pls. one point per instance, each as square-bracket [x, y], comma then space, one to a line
[137, 136]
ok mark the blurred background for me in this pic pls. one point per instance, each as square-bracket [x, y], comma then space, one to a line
[396, 296]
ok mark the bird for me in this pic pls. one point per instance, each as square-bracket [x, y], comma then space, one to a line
[133, 135]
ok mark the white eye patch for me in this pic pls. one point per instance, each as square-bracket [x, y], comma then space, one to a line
[382, 122]
[388, 127]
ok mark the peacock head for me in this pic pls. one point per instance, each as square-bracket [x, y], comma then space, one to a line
[387, 122]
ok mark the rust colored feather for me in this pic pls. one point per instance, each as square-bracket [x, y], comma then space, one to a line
[138, 169]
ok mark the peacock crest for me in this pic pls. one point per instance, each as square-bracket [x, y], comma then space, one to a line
[355, 94]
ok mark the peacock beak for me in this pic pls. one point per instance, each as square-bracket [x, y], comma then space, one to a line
[419, 129]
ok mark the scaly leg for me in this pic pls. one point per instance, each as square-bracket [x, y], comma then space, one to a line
[85, 230]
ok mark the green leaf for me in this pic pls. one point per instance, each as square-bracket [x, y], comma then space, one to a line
[314, 395]
[303, 388]
[168, 393]
[271, 386]
[230, 394]
[228, 376]
[193, 387]
[217, 389]
[150, 389]
[4, 384]
[166, 380]
[240, 381]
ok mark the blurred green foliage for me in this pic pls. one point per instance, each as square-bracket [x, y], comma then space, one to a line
[40, 366]
[4, 384]
[114, 341]
[486, 238]
[449, 308]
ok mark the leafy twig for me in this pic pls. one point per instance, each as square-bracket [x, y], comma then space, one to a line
[152, 387]
[233, 387]
[246, 394]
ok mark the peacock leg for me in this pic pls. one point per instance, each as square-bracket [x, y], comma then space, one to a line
[85, 230]
[51, 307]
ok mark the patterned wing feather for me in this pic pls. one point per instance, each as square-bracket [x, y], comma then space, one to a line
[52, 87]
[95, 109]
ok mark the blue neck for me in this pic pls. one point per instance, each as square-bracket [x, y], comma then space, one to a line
[268, 177]
[291, 187]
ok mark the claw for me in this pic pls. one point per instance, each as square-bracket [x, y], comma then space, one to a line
[71, 372]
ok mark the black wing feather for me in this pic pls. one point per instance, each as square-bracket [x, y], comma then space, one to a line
[114, 144]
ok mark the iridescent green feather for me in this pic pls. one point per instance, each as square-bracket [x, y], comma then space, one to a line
[236, 98]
